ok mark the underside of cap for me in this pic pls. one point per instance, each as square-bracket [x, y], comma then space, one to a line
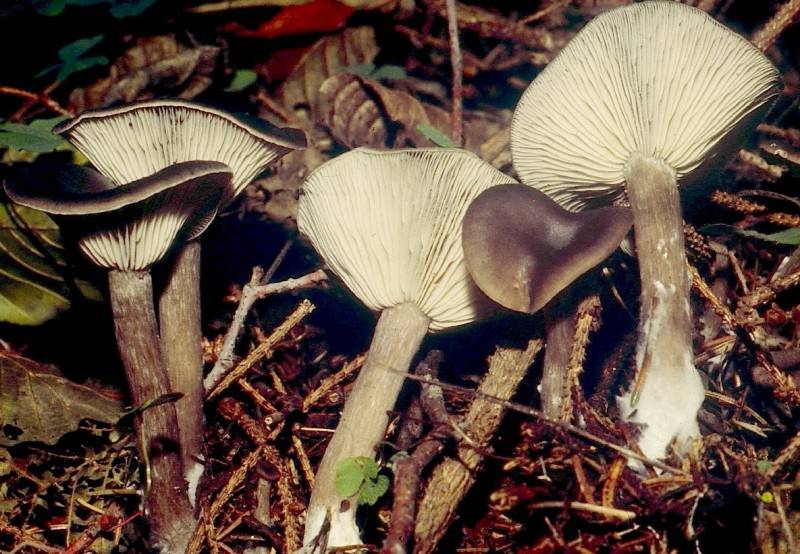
[659, 78]
[522, 248]
[388, 223]
[130, 142]
[126, 228]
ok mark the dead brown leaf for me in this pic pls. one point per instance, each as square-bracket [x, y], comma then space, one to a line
[38, 404]
[153, 64]
[361, 112]
[327, 57]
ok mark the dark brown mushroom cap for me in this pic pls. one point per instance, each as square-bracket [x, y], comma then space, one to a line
[522, 248]
[129, 142]
[126, 227]
[77, 190]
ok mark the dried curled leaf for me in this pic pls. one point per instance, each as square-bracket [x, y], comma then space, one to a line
[159, 63]
[362, 112]
[327, 57]
[38, 404]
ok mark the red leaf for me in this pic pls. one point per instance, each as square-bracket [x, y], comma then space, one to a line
[280, 64]
[318, 16]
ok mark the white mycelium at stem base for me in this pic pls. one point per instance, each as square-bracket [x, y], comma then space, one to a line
[645, 97]
[389, 225]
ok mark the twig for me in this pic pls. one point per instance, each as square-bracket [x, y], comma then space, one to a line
[536, 16]
[452, 478]
[766, 36]
[586, 321]
[407, 475]
[489, 24]
[327, 384]
[609, 490]
[785, 525]
[584, 487]
[573, 429]
[217, 382]
[257, 288]
[614, 513]
[291, 526]
[787, 456]
[431, 397]
[785, 389]
[234, 481]
[100, 524]
[305, 463]
[457, 63]
[408, 468]
[32, 99]
[21, 539]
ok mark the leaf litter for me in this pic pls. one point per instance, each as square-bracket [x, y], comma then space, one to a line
[379, 75]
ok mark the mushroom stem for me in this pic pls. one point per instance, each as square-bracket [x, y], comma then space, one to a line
[397, 338]
[668, 390]
[559, 324]
[181, 343]
[169, 513]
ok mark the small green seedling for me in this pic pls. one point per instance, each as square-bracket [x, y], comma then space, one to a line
[359, 476]
[73, 59]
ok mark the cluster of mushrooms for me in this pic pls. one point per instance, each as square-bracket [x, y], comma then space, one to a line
[645, 98]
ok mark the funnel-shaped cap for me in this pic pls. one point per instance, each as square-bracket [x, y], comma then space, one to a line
[131, 142]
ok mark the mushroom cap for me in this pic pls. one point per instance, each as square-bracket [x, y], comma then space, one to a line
[388, 223]
[125, 227]
[522, 248]
[130, 142]
[659, 78]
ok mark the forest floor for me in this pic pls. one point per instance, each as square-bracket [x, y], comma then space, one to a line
[490, 475]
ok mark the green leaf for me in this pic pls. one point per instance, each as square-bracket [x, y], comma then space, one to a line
[369, 467]
[36, 137]
[78, 48]
[789, 237]
[389, 73]
[76, 66]
[349, 477]
[242, 79]
[767, 497]
[373, 489]
[130, 8]
[435, 136]
[43, 405]
[49, 8]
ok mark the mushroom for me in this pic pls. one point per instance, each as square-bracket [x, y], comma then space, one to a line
[644, 98]
[130, 142]
[388, 223]
[523, 250]
[125, 228]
